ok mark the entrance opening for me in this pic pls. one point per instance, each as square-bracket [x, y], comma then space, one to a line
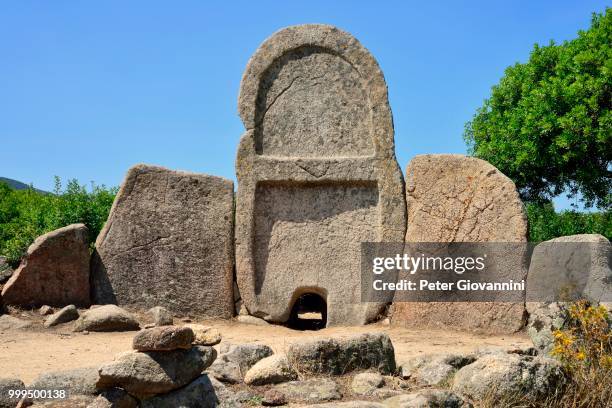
[309, 313]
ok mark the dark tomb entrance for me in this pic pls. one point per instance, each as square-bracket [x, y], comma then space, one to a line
[309, 312]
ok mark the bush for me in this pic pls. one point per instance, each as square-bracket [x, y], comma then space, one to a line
[545, 223]
[27, 214]
[585, 349]
[548, 122]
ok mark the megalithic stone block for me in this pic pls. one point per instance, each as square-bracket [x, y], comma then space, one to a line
[168, 242]
[317, 173]
[454, 198]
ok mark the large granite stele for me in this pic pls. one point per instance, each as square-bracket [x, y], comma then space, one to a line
[454, 198]
[168, 242]
[317, 173]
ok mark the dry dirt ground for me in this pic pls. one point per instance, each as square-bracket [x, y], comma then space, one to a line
[26, 353]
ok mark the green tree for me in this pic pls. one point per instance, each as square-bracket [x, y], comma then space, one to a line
[548, 123]
[27, 214]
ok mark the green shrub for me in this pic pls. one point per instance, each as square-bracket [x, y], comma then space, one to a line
[26, 214]
[545, 223]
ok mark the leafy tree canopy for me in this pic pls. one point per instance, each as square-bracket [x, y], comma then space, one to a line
[548, 123]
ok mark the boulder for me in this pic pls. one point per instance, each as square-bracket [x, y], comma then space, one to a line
[205, 335]
[54, 271]
[8, 322]
[434, 369]
[65, 315]
[168, 242]
[7, 384]
[199, 393]
[163, 338]
[155, 372]
[570, 268]
[544, 319]
[317, 174]
[499, 375]
[114, 398]
[106, 318]
[345, 354]
[453, 198]
[45, 310]
[273, 398]
[161, 316]
[228, 398]
[367, 383]
[78, 381]
[235, 360]
[427, 398]
[565, 269]
[270, 370]
[310, 391]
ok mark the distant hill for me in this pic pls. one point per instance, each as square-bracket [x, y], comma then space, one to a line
[18, 185]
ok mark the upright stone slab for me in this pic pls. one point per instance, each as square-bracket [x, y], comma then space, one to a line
[168, 242]
[54, 271]
[454, 198]
[316, 171]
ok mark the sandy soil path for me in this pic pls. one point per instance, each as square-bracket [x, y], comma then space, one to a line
[26, 353]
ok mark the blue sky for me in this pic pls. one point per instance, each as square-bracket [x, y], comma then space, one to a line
[88, 89]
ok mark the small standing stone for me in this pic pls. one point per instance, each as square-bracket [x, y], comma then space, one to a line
[55, 271]
[161, 316]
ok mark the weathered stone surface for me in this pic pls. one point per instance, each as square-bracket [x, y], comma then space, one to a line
[161, 316]
[270, 370]
[565, 269]
[163, 338]
[8, 322]
[570, 268]
[273, 398]
[246, 319]
[5, 270]
[205, 335]
[543, 321]
[498, 375]
[367, 383]
[311, 390]
[64, 315]
[106, 318]
[155, 372]
[7, 384]
[79, 381]
[345, 354]
[54, 271]
[317, 173]
[168, 242]
[45, 310]
[427, 398]
[114, 398]
[235, 360]
[434, 369]
[200, 393]
[453, 198]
